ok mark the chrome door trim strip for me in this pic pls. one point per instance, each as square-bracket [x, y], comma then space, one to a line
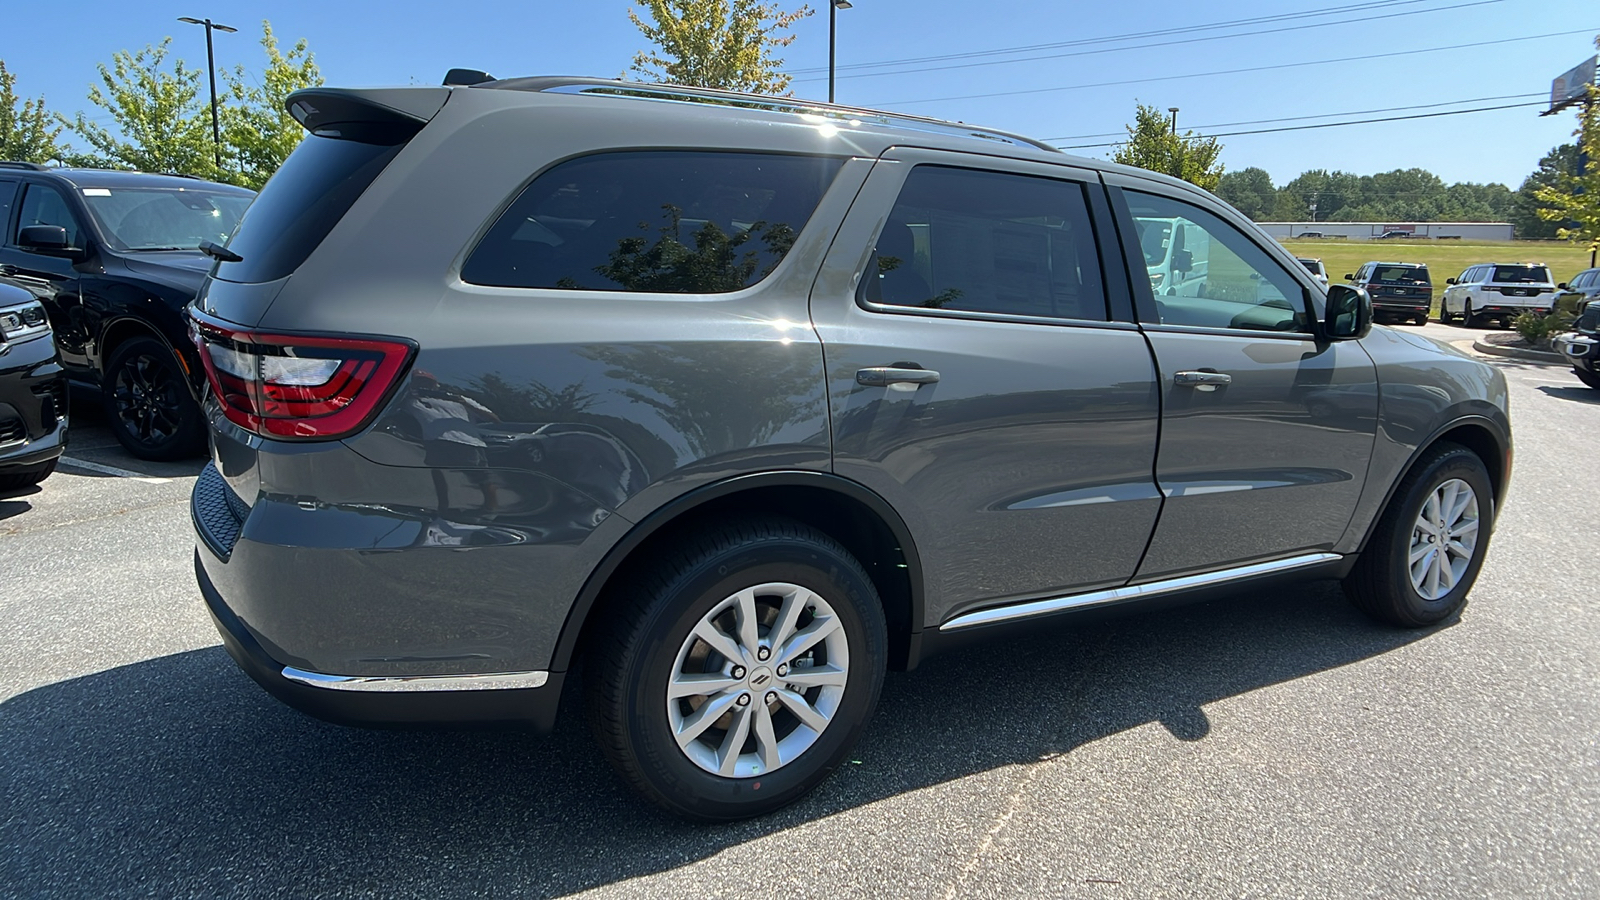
[1125, 593]
[497, 681]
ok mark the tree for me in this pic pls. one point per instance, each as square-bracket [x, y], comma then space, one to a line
[162, 124]
[27, 133]
[1250, 191]
[725, 44]
[1524, 217]
[257, 130]
[1152, 145]
[1572, 199]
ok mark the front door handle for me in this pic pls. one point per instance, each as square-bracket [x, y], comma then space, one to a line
[882, 376]
[1201, 379]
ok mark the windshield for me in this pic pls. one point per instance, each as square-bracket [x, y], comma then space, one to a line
[1521, 274]
[164, 218]
[1401, 275]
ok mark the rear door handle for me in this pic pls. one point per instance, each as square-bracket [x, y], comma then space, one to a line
[1199, 379]
[882, 376]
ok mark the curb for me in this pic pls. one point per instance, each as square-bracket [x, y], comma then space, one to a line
[1543, 356]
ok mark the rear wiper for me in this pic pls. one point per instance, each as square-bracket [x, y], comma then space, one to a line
[218, 252]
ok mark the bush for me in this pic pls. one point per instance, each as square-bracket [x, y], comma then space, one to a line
[1538, 327]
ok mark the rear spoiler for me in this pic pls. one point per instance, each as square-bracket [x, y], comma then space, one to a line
[368, 115]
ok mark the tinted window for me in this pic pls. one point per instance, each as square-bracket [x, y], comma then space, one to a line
[1521, 274]
[300, 205]
[667, 221]
[164, 218]
[988, 242]
[44, 205]
[1206, 272]
[1400, 275]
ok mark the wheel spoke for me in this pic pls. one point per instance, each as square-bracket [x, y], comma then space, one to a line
[818, 676]
[766, 738]
[783, 627]
[711, 634]
[1418, 551]
[1470, 526]
[807, 637]
[805, 712]
[733, 741]
[1433, 576]
[686, 685]
[748, 622]
[695, 724]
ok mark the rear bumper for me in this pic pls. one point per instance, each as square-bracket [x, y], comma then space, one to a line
[1395, 304]
[493, 701]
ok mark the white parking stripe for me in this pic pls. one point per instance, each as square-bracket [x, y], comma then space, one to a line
[111, 470]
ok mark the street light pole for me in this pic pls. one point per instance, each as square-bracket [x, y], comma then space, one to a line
[211, 70]
[1174, 111]
[833, 16]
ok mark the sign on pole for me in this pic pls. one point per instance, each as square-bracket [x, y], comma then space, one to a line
[1571, 86]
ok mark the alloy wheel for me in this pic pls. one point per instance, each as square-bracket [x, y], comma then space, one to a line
[1443, 539]
[147, 397]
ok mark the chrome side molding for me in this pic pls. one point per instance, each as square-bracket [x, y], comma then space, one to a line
[498, 681]
[1126, 593]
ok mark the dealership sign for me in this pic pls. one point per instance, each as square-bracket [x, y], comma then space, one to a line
[1572, 86]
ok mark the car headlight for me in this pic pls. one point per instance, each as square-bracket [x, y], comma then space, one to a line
[21, 323]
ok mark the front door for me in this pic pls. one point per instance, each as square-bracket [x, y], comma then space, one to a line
[52, 279]
[979, 379]
[1266, 427]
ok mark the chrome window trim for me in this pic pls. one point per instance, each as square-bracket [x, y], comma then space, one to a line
[1032, 608]
[496, 681]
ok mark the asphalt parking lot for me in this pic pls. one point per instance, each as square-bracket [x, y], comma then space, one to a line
[1270, 745]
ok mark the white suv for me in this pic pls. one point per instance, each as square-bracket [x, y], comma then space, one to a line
[1497, 291]
[1316, 268]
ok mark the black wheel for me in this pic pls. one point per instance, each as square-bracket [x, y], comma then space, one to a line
[1425, 554]
[740, 670]
[1444, 314]
[16, 481]
[1467, 318]
[1419, 319]
[1591, 379]
[148, 402]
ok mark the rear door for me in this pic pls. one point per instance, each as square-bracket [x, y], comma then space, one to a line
[985, 376]
[1266, 428]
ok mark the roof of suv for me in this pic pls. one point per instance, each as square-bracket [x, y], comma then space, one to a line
[114, 178]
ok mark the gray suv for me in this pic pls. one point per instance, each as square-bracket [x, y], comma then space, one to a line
[737, 402]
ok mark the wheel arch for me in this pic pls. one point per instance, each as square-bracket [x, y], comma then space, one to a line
[1483, 436]
[845, 510]
[122, 329]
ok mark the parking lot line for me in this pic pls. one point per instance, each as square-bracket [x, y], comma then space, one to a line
[111, 470]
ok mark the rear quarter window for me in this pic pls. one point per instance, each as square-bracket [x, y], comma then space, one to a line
[687, 222]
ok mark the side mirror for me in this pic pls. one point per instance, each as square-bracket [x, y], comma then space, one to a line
[1182, 260]
[50, 240]
[1451, 281]
[1349, 277]
[1560, 287]
[1349, 314]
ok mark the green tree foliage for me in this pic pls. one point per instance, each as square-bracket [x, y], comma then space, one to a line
[1250, 191]
[1331, 191]
[1572, 201]
[257, 130]
[162, 120]
[726, 44]
[1525, 218]
[1152, 145]
[27, 132]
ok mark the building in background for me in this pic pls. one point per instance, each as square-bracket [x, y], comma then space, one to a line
[1373, 231]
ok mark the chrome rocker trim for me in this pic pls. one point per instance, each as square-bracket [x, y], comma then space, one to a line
[1123, 594]
[499, 681]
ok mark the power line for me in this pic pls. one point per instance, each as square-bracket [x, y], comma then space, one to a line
[1161, 44]
[1453, 112]
[1293, 65]
[1353, 112]
[1132, 35]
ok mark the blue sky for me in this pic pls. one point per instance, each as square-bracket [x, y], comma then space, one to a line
[53, 49]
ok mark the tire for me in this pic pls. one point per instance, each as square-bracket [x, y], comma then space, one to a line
[1384, 584]
[1592, 379]
[785, 572]
[1467, 318]
[16, 481]
[148, 404]
[1421, 319]
[1444, 314]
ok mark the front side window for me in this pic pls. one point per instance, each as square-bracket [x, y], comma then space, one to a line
[679, 222]
[988, 242]
[164, 218]
[1205, 272]
[44, 205]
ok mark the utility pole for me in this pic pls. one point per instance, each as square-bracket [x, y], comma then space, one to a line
[211, 70]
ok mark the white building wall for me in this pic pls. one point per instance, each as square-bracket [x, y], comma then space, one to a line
[1366, 231]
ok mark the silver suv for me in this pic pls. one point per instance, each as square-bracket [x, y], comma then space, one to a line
[739, 402]
[1499, 291]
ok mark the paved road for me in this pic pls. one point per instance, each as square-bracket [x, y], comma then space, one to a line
[1272, 745]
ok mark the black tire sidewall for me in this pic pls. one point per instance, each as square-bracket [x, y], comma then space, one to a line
[1462, 464]
[685, 787]
[190, 435]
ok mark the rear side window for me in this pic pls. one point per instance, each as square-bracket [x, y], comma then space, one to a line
[988, 242]
[1521, 274]
[313, 190]
[677, 222]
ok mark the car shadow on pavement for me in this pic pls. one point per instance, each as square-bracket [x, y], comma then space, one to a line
[178, 776]
[1579, 393]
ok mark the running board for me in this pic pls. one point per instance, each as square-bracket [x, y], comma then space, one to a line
[1126, 593]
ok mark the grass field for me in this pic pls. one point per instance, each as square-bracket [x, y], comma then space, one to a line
[1444, 259]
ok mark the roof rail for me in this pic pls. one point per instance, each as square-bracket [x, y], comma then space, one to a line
[30, 166]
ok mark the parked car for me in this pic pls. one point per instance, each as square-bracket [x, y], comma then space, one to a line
[33, 393]
[1402, 290]
[1319, 272]
[1580, 291]
[795, 394]
[1499, 291]
[1309, 234]
[114, 258]
[1396, 235]
[1581, 346]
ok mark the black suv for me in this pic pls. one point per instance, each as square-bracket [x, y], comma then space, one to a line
[114, 257]
[33, 393]
[1398, 289]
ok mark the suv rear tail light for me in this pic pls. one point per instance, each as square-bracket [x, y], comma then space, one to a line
[298, 386]
[1491, 288]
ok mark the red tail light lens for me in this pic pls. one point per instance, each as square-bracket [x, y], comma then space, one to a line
[298, 387]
